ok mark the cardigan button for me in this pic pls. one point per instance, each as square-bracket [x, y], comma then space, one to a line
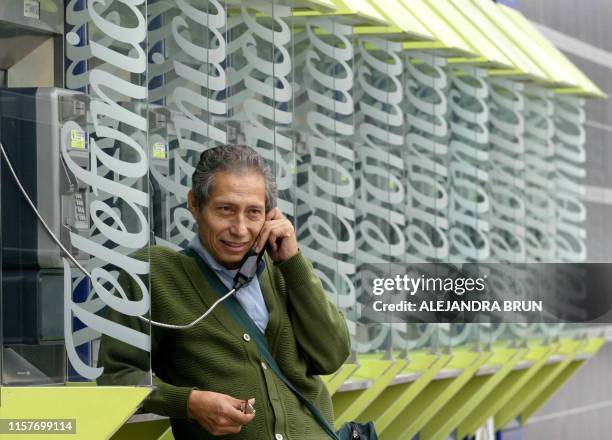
[246, 337]
[278, 436]
[264, 366]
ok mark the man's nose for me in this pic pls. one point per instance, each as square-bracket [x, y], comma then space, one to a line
[239, 226]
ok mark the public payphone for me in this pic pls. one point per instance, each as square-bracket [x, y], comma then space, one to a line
[31, 121]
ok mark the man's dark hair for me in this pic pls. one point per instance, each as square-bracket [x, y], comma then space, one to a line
[233, 158]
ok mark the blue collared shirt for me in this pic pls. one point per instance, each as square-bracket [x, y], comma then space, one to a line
[250, 297]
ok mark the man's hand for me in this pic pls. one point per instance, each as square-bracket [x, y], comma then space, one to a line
[219, 414]
[279, 233]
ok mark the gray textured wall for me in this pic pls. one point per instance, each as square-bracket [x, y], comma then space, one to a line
[583, 407]
[587, 24]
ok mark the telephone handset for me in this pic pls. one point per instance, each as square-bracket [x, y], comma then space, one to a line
[248, 267]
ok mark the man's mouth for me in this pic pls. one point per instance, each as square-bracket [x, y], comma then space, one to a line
[235, 246]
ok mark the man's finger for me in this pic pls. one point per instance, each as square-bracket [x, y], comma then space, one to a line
[281, 229]
[235, 412]
[263, 237]
[273, 239]
[236, 416]
[264, 233]
[274, 214]
[277, 233]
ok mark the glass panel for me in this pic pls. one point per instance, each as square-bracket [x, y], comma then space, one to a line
[82, 155]
[260, 89]
[469, 198]
[379, 140]
[507, 192]
[571, 212]
[540, 207]
[324, 113]
[426, 111]
[107, 60]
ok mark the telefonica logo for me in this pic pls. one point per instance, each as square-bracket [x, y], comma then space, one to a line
[570, 158]
[381, 222]
[269, 119]
[327, 190]
[507, 181]
[469, 158]
[111, 238]
[381, 194]
[427, 171]
[539, 206]
[193, 102]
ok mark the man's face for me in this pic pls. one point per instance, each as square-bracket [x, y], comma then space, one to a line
[231, 219]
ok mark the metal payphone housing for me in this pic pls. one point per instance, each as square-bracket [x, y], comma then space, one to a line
[31, 131]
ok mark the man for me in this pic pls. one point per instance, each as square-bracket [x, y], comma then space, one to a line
[205, 374]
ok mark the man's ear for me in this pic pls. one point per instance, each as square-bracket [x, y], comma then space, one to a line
[192, 205]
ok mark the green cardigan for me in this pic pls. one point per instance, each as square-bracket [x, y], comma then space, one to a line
[306, 334]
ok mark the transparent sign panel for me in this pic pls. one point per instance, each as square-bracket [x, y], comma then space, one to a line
[106, 51]
[187, 100]
[379, 141]
[324, 112]
[260, 89]
[507, 188]
[80, 154]
[427, 113]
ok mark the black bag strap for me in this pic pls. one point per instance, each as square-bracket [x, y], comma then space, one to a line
[245, 321]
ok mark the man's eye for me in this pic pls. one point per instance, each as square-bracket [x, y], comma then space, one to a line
[225, 209]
